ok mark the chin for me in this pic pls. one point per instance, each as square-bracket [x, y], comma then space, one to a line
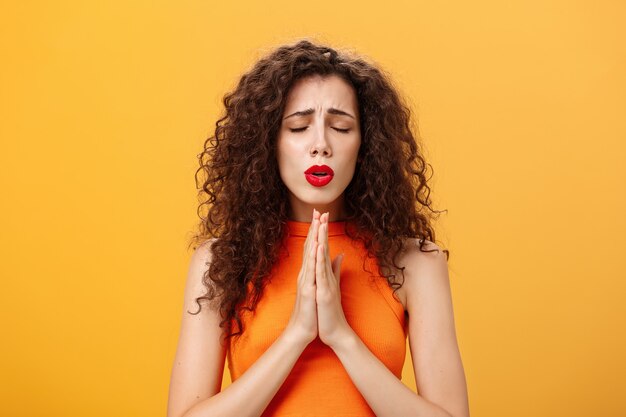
[318, 201]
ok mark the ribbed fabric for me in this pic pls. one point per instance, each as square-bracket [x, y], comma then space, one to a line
[318, 385]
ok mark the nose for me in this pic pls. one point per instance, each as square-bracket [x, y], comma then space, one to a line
[320, 144]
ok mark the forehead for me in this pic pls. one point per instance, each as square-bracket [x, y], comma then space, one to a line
[327, 91]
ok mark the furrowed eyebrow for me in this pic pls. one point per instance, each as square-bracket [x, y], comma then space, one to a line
[331, 110]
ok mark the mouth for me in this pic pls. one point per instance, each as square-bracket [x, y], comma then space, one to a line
[320, 170]
[318, 180]
[319, 175]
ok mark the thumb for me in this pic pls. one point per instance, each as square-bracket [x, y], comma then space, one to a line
[337, 266]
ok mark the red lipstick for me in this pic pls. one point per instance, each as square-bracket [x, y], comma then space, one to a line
[319, 175]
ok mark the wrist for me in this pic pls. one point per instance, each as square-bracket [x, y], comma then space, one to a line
[295, 338]
[346, 343]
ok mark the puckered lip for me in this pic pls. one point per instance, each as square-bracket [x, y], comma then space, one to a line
[320, 168]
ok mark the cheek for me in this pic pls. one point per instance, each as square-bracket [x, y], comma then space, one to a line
[287, 151]
[352, 149]
[286, 157]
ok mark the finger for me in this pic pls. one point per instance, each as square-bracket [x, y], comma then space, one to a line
[308, 248]
[320, 272]
[318, 224]
[320, 235]
[309, 234]
[336, 266]
[310, 275]
[312, 234]
[326, 245]
[330, 276]
[323, 235]
[306, 261]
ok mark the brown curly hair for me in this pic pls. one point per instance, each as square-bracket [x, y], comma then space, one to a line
[248, 202]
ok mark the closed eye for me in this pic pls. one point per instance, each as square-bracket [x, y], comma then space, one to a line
[300, 129]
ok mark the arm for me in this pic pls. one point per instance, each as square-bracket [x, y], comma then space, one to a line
[196, 376]
[436, 359]
[383, 391]
[250, 394]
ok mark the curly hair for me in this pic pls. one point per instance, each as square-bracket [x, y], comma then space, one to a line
[248, 203]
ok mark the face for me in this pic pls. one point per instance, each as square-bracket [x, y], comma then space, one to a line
[320, 126]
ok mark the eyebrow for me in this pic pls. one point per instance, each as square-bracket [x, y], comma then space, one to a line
[331, 110]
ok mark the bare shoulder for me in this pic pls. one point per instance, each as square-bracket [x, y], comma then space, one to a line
[437, 364]
[203, 251]
[429, 250]
[199, 362]
[199, 263]
[201, 257]
[419, 264]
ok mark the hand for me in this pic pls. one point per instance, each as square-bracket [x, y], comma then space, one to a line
[303, 320]
[331, 320]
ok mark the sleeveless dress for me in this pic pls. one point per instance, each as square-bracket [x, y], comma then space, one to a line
[318, 384]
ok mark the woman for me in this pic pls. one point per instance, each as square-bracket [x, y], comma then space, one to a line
[317, 253]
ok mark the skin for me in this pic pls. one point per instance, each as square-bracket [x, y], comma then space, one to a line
[321, 142]
[437, 363]
[321, 137]
[200, 357]
[332, 324]
[426, 293]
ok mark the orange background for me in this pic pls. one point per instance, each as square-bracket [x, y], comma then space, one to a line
[104, 107]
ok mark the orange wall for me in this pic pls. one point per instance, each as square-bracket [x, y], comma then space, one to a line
[104, 108]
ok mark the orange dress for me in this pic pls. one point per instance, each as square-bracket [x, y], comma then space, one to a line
[318, 384]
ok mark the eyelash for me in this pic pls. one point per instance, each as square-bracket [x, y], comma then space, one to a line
[303, 128]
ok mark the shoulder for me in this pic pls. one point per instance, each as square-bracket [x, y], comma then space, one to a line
[202, 253]
[437, 364]
[426, 269]
[430, 253]
[206, 245]
[199, 263]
